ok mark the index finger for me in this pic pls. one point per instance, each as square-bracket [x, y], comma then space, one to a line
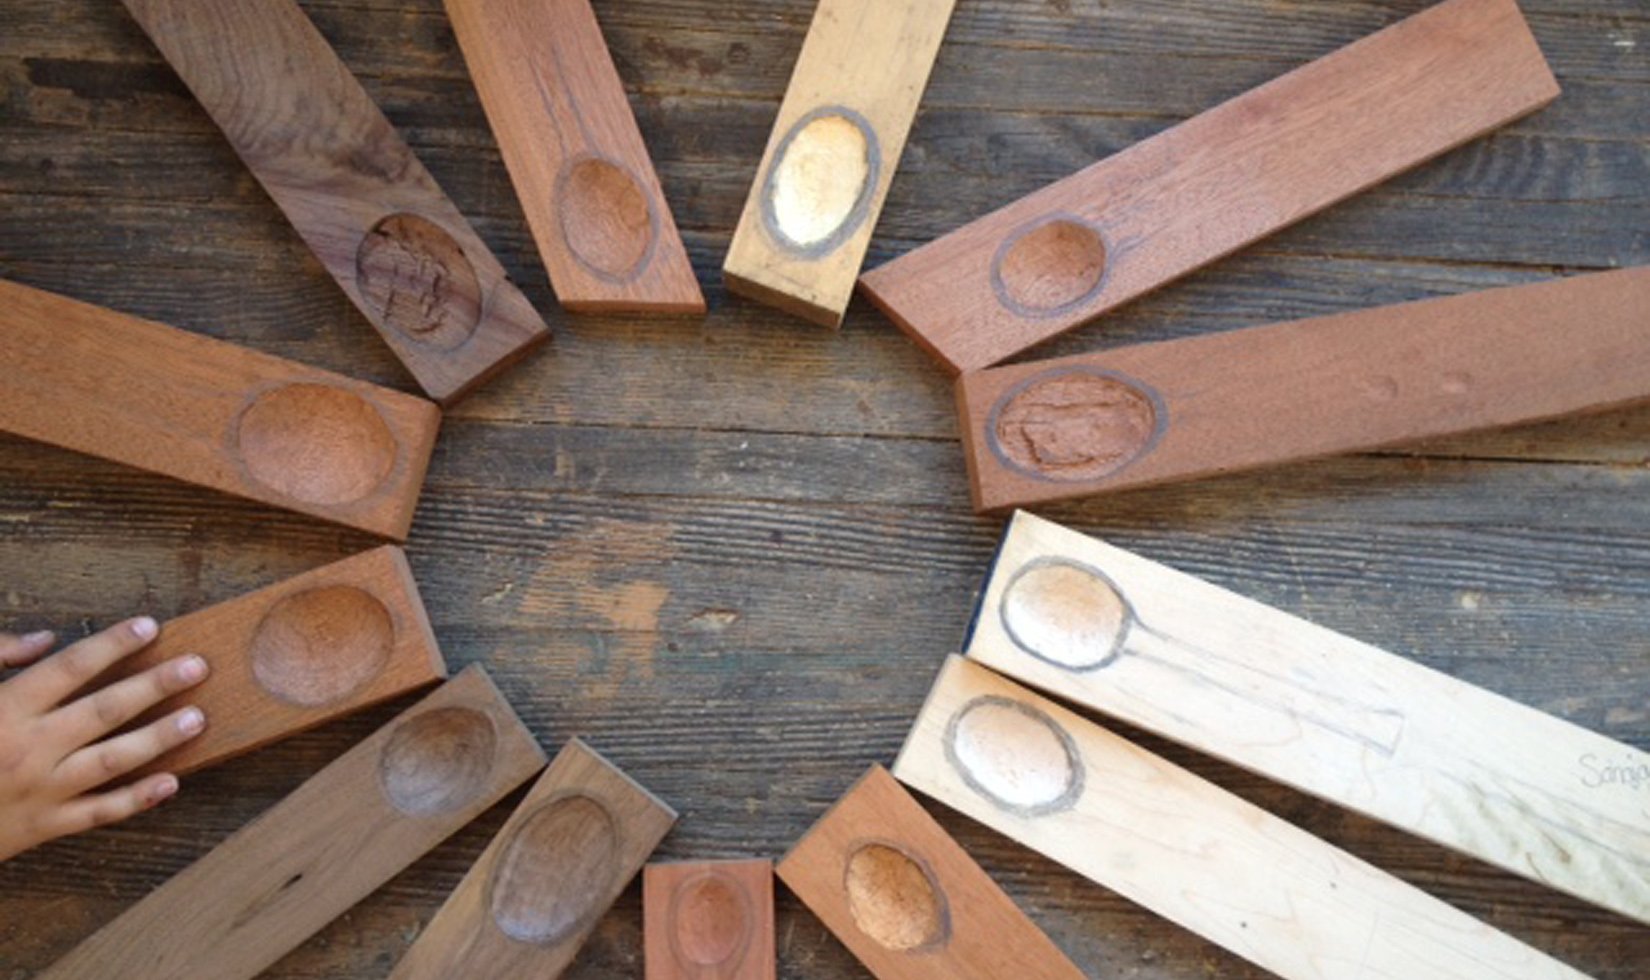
[54, 678]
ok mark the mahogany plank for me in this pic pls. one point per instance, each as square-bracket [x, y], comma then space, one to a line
[294, 655]
[1345, 721]
[211, 413]
[907, 899]
[1174, 203]
[1185, 848]
[532, 899]
[580, 168]
[351, 187]
[333, 841]
[832, 154]
[1244, 399]
[709, 920]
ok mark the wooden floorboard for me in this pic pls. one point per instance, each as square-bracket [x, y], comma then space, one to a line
[732, 553]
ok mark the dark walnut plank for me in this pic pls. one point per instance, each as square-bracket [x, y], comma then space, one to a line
[666, 538]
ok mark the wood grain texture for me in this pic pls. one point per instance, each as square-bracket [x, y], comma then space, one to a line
[295, 655]
[1185, 848]
[907, 899]
[337, 838]
[576, 158]
[354, 191]
[777, 489]
[1244, 399]
[832, 154]
[1222, 180]
[210, 413]
[579, 837]
[708, 920]
[1327, 714]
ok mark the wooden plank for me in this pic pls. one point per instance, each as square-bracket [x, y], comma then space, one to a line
[832, 154]
[907, 899]
[709, 920]
[1185, 848]
[532, 899]
[1322, 712]
[333, 841]
[1244, 399]
[211, 413]
[577, 160]
[1122, 227]
[294, 655]
[350, 186]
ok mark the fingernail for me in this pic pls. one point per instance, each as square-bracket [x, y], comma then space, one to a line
[37, 638]
[145, 628]
[163, 789]
[191, 670]
[191, 721]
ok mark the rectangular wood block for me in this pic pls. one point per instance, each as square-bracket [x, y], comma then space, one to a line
[1174, 203]
[907, 899]
[211, 413]
[709, 920]
[1322, 712]
[333, 841]
[351, 187]
[294, 655]
[577, 160]
[560, 862]
[1244, 399]
[832, 154]
[1185, 848]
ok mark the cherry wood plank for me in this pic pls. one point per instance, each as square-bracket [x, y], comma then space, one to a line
[832, 154]
[709, 920]
[1185, 848]
[333, 841]
[1245, 399]
[530, 902]
[293, 655]
[1163, 208]
[354, 191]
[211, 413]
[1320, 711]
[907, 899]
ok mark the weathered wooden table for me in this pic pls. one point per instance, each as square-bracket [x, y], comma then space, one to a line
[732, 553]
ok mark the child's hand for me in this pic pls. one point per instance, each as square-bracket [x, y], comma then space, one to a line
[51, 756]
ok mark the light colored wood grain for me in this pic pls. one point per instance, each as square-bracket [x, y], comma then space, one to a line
[211, 413]
[534, 896]
[907, 899]
[1163, 208]
[832, 154]
[1320, 711]
[362, 201]
[1243, 399]
[1185, 848]
[334, 840]
[577, 160]
[709, 920]
[294, 655]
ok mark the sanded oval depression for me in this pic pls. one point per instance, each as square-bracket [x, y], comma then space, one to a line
[894, 899]
[315, 443]
[438, 761]
[713, 917]
[606, 217]
[1050, 267]
[1071, 425]
[1015, 755]
[1066, 613]
[412, 273]
[556, 872]
[318, 646]
[819, 186]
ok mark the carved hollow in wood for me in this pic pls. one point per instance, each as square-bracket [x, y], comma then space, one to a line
[419, 281]
[1015, 756]
[819, 187]
[895, 899]
[319, 646]
[1075, 424]
[438, 761]
[555, 868]
[713, 919]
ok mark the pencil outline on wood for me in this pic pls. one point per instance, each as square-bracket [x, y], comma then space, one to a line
[970, 754]
[1382, 733]
[1126, 446]
[856, 211]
